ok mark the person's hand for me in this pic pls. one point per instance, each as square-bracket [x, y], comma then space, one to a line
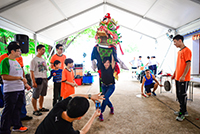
[160, 85]
[182, 78]
[25, 81]
[76, 85]
[97, 113]
[97, 97]
[173, 76]
[34, 84]
[27, 87]
[73, 84]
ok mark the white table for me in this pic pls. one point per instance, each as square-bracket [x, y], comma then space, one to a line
[192, 81]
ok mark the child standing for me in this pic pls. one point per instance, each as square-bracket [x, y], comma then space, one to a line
[68, 83]
[56, 73]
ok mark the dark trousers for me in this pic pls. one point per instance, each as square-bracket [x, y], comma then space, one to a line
[107, 92]
[181, 93]
[56, 93]
[153, 68]
[13, 102]
[23, 109]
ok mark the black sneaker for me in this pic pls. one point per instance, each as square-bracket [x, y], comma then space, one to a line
[26, 118]
[44, 110]
[37, 113]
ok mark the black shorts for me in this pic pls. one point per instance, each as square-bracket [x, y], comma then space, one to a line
[134, 67]
[148, 87]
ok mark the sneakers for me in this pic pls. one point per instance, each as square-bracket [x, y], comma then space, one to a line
[145, 95]
[180, 117]
[43, 110]
[26, 118]
[101, 117]
[153, 93]
[112, 110]
[21, 129]
[177, 113]
[37, 113]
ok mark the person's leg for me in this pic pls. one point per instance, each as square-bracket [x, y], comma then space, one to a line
[155, 69]
[148, 90]
[155, 87]
[35, 96]
[34, 103]
[108, 93]
[23, 109]
[17, 109]
[55, 93]
[41, 100]
[177, 83]
[42, 94]
[183, 96]
[59, 92]
[6, 118]
[104, 90]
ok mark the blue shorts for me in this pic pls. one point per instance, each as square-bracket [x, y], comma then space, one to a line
[148, 87]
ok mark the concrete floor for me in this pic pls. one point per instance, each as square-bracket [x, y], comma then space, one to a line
[133, 115]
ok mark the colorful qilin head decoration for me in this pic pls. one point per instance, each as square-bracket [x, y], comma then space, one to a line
[107, 32]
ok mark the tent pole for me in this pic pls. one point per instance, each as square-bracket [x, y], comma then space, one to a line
[35, 38]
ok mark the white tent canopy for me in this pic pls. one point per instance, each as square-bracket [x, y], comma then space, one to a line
[53, 20]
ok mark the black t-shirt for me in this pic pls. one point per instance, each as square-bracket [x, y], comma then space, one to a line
[107, 75]
[54, 123]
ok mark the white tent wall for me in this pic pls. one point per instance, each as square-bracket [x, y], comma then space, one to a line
[195, 54]
[166, 55]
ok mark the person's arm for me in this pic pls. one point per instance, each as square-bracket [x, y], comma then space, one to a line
[51, 74]
[11, 78]
[94, 97]
[70, 83]
[143, 81]
[87, 126]
[51, 65]
[113, 62]
[182, 78]
[156, 80]
[33, 79]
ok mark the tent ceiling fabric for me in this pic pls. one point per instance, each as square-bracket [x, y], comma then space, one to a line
[56, 19]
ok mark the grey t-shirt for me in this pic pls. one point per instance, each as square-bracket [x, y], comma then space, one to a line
[39, 66]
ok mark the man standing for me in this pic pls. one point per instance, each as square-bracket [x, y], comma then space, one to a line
[182, 75]
[12, 75]
[133, 67]
[58, 56]
[38, 69]
[154, 64]
[139, 62]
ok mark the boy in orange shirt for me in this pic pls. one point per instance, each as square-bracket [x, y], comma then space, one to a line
[68, 83]
[182, 75]
[58, 56]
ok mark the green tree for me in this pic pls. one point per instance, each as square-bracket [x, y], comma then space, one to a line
[5, 38]
[131, 48]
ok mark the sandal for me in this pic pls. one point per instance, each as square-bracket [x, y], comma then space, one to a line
[43, 110]
[37, 113]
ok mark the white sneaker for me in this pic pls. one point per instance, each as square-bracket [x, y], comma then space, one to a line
[177, 113]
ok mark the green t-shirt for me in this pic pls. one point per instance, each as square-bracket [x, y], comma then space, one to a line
[13, 68]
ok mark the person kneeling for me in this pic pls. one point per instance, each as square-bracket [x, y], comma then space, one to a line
[60, 118]
[148, 83]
